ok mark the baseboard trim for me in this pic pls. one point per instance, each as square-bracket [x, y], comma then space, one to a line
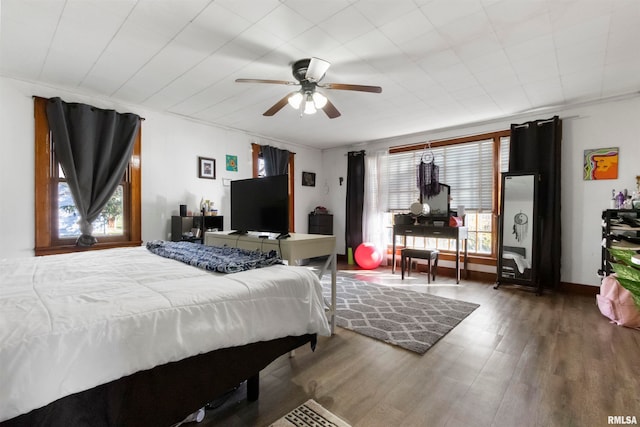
[489, 278]
[579, 289]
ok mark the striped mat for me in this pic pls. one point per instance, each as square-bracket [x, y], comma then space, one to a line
[310, 414]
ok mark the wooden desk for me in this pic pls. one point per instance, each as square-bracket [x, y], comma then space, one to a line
[460, 234]
[298, 246]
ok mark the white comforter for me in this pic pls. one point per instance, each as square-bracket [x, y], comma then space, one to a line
[521, 262]
[71, 322]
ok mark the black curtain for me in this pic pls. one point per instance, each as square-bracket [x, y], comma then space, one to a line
[355, 199]
[536, 147]
[93, 147]
[276, 161]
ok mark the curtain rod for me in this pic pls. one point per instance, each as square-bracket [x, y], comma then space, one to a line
[141, 118]
[260, 145]
[352, 153]
[542, 122]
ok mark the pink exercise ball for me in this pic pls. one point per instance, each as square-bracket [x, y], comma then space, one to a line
[368, 256]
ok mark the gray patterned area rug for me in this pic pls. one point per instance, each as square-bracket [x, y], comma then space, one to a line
[412, 320]
[310, 414]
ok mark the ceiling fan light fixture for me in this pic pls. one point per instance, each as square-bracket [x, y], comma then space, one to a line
[309, 106]
[308, 72]
[316, 69]
[295, 100]
[319, 100]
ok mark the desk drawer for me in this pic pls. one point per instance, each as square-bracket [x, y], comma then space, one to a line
[427, 231]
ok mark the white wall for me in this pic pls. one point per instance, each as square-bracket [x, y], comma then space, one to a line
[170, 150]
[608, 124]
[171, 145]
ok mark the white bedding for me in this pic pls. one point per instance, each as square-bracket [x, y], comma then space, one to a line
[71, 322]
[521, 262]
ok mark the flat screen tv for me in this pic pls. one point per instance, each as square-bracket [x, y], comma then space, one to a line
[260, 204]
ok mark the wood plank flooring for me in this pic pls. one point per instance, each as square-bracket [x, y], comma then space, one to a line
[518, 360]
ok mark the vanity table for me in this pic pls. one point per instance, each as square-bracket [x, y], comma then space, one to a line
[459, 234]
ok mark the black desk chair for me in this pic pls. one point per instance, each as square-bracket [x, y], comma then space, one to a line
[430, 255]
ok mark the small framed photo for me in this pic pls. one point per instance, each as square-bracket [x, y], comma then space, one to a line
[309, 179]
[206, 168]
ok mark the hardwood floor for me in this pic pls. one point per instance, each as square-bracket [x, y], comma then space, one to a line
[518, 360]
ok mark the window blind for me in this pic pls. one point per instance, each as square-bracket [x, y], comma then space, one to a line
[467, 168]
[504, 154]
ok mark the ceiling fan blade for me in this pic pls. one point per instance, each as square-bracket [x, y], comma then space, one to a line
[317, 69]
[278, 105]
[361, 88]
[330, 110]
[277, 82]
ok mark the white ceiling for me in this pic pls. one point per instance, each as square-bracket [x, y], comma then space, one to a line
[441, 63]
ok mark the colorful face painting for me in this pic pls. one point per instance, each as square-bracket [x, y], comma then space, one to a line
[601, 163]
[232, 163]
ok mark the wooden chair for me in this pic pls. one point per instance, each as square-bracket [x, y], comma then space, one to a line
[430, 255]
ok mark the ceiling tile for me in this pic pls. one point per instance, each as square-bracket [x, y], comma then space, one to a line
[346, 25]
[466, 29]
[545, 92]
[424, 46]
[284, 23]
[251, 10]
[406, 27]
[381, 12]
[595, 28]
[26, 30]
[317, 11]
[440, 63]
[443, 12]
[581, 86]
[315, 42]
[538, 25]
[567, 13]
[370, 44]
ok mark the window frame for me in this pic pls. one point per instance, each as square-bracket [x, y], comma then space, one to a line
[47, 241]
[497, 138]
[256, 150]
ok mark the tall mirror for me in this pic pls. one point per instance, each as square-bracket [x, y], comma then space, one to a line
[518, 242]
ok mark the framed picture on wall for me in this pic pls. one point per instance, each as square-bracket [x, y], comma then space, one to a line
[232, 163]
[601, 163]
[309, 179]
[206, 168]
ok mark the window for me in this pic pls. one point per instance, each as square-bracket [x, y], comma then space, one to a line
[468, 165]
[109, 222]
[56, 229]
[258, 171]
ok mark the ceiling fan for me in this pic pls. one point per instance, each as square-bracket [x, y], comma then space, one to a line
[309, 72]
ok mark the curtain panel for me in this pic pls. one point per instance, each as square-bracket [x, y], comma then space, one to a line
[374, 228]
[93, 147]
[276, 161]
[355, 199]
[536, 147]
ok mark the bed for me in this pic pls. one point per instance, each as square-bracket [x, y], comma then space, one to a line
[126, 337]
[515, 263]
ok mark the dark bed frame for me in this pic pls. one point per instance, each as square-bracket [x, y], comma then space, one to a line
[166, 394]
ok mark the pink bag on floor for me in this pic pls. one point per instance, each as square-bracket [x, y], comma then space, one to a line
[616, 303]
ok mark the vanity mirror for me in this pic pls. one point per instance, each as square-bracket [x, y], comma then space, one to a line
[439, 204]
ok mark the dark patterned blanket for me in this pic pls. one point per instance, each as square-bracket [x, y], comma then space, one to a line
[214, 258]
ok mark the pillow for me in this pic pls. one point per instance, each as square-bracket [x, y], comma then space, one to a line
[616, 303]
